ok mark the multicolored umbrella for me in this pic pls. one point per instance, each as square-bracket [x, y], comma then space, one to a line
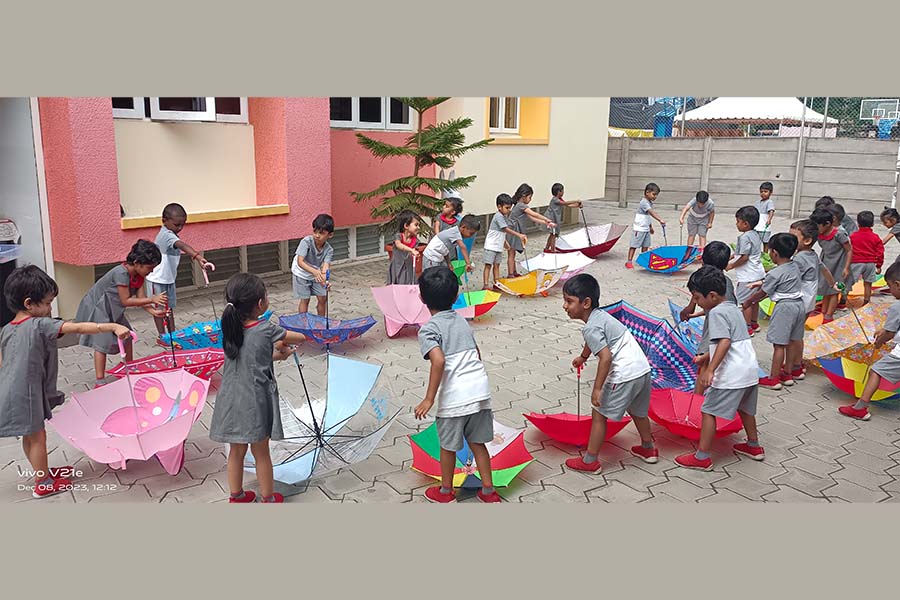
[859, 288]
[324, 330]
[850, 377]
[538, 281]
[202, 363]
[475, 304]
[850, 336]
[507, 450]
[668, 259]
[207, 334]
[134, 418]
[573, 263]
[591, 241]
[671, 360]
[679, 412]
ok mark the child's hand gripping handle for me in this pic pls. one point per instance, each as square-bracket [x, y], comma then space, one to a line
[578, 371]
[122, 344]
[210, 266]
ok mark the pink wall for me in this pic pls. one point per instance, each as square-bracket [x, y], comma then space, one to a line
[354, 169]
[292, 149]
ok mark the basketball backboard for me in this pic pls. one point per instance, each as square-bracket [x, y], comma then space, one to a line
[870, 110]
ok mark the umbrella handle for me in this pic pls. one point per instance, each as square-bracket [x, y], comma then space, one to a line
[578, 388]
[586, 231]
[134, 338]
[212, 267]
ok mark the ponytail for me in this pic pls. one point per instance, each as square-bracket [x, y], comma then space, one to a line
[243, 293]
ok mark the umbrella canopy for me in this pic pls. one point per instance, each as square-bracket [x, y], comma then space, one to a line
[207, 334]
[475, 304]
[853, 331]
[671, 360]
[592, 242]
[342, 413]
[679, 412]
[401, 306]
[859, 288]
[324, 330]
[668, 259]
[573, 263]
[570, 428]
[691, 330]
[201, 363]
[134, 418]
[507, 450]
[850, 377]
[536, 282]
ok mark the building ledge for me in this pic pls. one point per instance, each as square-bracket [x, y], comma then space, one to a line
[499, 141]
[208, 216]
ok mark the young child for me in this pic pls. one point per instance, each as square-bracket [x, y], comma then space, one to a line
[766, 207]
[844, 220]
[642, 227]
[841, 222]
[890, 218]
[783, 285]
[440, 246]
[29, 368]
[247, 409]
[495, 240]
[868, 254]
[728, 373]
[811, 268]
[459, 384]
[824, 202]
[700, 212]
[555, 213]
[106, 301]
[623, 381]
[747, 263]
[310, 267]
[402, 268]
[162, 279]
[888, 367]
[518, 219]
[449, 217]
[836, 256]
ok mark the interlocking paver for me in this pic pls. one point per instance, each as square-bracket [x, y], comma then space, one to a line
[786, 493]
[615, 491]
[851, 492]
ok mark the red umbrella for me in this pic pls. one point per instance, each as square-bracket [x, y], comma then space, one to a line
[571, 428]
[679, 412]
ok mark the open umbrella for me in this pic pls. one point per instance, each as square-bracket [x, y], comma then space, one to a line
[205, 334]
[507, 450]
[538, 281]
[849, 336]
[592, 241]
[850, 377]
[571, 428]
[401, 306]
[679, 412]
[343, 413]
[475, 304]
[325, 331]
[202, 363]
[691, 331]
[573, 263]
[668, 259]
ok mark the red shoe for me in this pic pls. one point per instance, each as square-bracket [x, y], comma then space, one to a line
[769, 383]
[827, 320]
[61, 472]
[56, 486]
[785, 378]
[648, 455]
[750, 331]
[489, 498]
[578, 464]
[798, 374]
[246, 498]
[862, 414]
[842, 305]
[628, 265]
[754, 326]
[276, 498]
[434, 494]
[690, 461]
[754, 452]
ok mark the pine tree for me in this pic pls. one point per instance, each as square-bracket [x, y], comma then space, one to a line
[440, 145]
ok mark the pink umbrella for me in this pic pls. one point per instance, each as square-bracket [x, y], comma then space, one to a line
[401, 306]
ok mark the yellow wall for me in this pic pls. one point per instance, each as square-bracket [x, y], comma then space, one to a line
[74, 282]
[574, 156]
[206, 166]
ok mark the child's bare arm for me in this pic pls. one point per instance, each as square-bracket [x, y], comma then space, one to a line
[465, 254]
[88, 328]
[140, 300]
[194, 254]
[706, 375]
[849, 249]
[436, 356]
[512, 232]
[887, 238]
[573, 203]
[683, 213]
[738, 262]
[538, 217]
[579, 360]
[653, 214]
[604, 364]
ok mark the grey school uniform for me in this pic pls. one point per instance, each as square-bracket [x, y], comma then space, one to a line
[304, 283]
[247, 406]
[102, 305]
[633, 394]
[464, 397]
[764, 207]
[889, 365]
[401, 270]
[782, 284]
[698, 217]
[494, 239]
[162, 279]
[440, 246]
[640, 238]
[849, 224]
[555, 213]
[28, 375]
[834, 257]
[703, 346]
[518, 221]
[726, 322]
[749, 243]
[809, 265]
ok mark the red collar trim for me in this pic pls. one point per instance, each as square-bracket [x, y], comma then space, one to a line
[254, 324]
[830, 237]
[449, 221]
[20, 322]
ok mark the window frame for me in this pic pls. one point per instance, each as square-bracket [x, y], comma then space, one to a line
[501, 115]
[384, 125]
[130, 113]
[208, 116]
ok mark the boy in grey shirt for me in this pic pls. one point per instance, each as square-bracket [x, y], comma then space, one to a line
[311, 265]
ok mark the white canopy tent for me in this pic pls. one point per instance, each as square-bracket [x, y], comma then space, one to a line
[754, 109]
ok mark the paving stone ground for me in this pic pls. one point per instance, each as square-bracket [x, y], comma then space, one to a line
[813, 454]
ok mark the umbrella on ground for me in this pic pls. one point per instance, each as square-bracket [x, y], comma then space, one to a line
[591, 241]
[679, 412]
[202, 363]
[507, 450]
[535, 282]
[325, 331]
[342, 415]
[205, 334]
[571, 428]
[475, 304]
[672, 362]
[850, 377]
[573, 263]
[668, 259]
[401, 306]
[849, 336]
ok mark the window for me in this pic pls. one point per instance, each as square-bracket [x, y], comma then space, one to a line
[372, 112]
[227, 110]
[504, 115]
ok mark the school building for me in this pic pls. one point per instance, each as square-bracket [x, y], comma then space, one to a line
[84, 178]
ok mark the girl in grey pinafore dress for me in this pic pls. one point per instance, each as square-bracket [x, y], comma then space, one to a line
[102, 305]
[402, 270]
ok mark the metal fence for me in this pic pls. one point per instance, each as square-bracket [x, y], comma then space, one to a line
[822, 117]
